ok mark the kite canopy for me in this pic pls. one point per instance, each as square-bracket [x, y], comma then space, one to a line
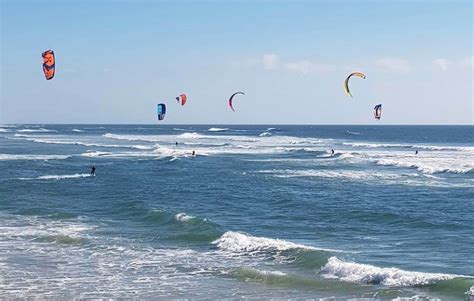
[378, 111]
[346, 82]
[181, 99]
[49, 64]
[161, 110]
[232, 97]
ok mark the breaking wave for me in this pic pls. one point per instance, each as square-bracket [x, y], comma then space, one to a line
[40, 130]
[352, 133]
[56, 141]
[59, 177]
[433, 168]
[410, 146]
[218, 129]
[237, 242]
[33, 157]
[369, 274]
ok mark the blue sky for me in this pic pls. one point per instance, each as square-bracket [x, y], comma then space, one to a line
[117, 59]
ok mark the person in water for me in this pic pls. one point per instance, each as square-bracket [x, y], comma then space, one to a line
[416, 152]
[176, 142]
[93, 171]
[194, 153]
[332, 152]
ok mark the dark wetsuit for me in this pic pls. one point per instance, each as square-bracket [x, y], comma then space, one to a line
[93, 171]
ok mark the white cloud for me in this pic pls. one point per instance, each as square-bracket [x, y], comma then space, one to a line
[468, 62]
[270, 61]
[442, 63]
[393, 64]
[306, 67]
[302, 66]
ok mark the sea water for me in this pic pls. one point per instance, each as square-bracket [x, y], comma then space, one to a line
[259, 212]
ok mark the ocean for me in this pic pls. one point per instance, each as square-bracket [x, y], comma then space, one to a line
[260, 212]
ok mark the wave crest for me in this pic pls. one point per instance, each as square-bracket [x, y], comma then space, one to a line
[218, 129]
[237, 242]
[364, 273]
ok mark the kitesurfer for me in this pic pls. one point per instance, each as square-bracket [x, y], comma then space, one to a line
[93, 171]
[194, 153]
[332, 152]
[416, 152]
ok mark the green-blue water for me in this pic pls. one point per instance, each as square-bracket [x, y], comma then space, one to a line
[259, 212]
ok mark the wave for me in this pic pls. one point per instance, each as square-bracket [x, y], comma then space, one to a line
[345, 174]
[265, 134]
[206, 144]
[77, 131]
[270, 129]
[306, 150]
[369, 274]
[62, 239]
[40, 130]
[7, 157]
[192, 135]
[434, 168]
[218, 129]
[96, 154]
[408, 179]
[55, 141]
[410, 146]
[131, 137]
[4, 130]
[180, 130]
[352, 133]
[266, 276]
[59, 177]
[237, 242]
[183, 217]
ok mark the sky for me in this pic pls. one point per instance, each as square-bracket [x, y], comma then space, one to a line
[116, 60]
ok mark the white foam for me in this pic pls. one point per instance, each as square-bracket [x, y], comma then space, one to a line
[77, 131]
[218, 129]
[411, 146]
[265, 134]
[117, 155]
[32, 226]
[430, 165]
[58, 140]
[183, 217]
[193, 135]
[4, 130]
[409, 179]
[180, 130]
[344, 174]
[352, 133]
[263, 273]
[470, 292]
[32, 157]
[58, 177]
[237, 242]
[40, 130]
[364, 273]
